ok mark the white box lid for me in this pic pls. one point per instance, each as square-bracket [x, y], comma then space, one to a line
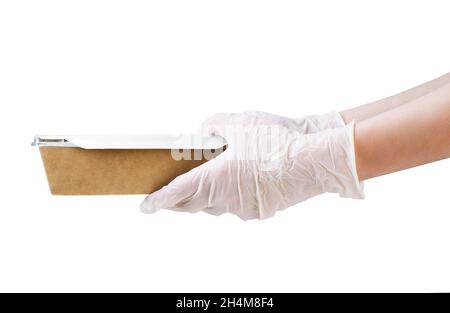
[130, 141]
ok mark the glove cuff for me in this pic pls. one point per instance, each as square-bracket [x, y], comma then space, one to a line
[356, 188]
[330, 120]
[334, 163]
[317, 123]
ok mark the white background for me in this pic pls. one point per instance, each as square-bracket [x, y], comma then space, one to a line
[162, 67]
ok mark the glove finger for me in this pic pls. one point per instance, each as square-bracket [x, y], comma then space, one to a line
[266, 116]
[183, 187]
[217, 190]
[180, 189]
[220, 124]
[296, 125]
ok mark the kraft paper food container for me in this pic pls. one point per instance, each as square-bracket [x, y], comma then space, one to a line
[120, 165]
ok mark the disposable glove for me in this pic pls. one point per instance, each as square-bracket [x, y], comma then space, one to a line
[270, 163]
[306, 125]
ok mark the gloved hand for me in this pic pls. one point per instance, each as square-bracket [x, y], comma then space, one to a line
[306, 125]
[271, 163]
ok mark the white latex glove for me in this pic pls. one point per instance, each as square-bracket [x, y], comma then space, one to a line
[306, 125]
[271, 163]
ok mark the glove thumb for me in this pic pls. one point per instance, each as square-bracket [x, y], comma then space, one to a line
[179, 190]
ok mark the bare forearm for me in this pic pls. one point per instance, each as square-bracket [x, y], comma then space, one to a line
[412, 134]
[374, 108]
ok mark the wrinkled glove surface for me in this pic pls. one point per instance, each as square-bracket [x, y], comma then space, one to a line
[271, 163]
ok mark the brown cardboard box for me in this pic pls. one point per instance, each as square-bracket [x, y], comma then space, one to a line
[80, 167]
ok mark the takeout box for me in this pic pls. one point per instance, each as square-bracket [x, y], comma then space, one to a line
[119, 165]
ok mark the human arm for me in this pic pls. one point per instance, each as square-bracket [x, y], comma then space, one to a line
[274, 162]
[366, 111]
[412, 134]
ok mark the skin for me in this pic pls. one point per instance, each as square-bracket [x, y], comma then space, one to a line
[372, 109]
[398, 135]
